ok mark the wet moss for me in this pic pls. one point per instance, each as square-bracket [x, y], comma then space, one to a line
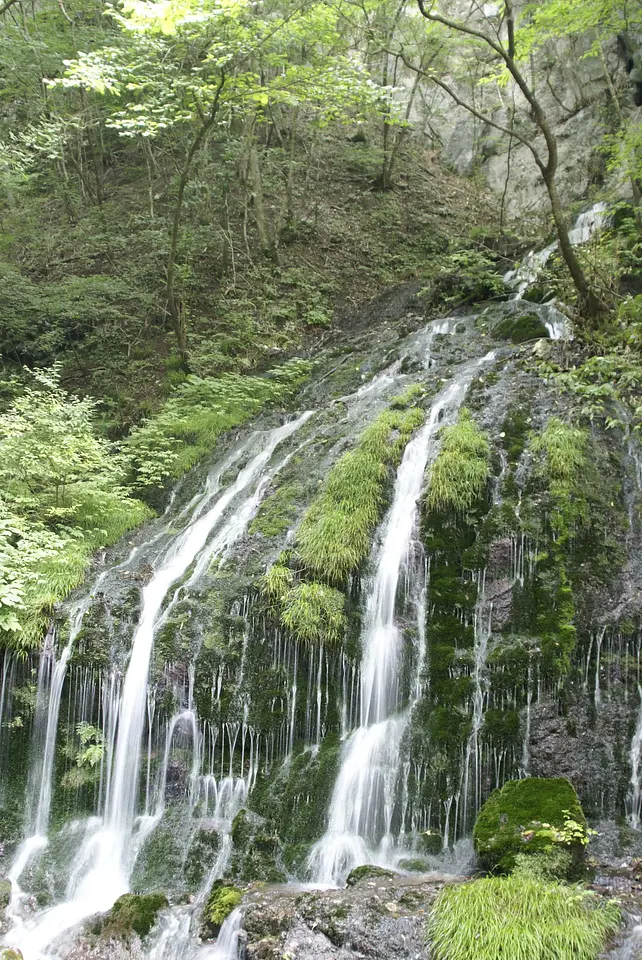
[278, 511]
[222, 900]
[133, 913]
[528, 326]
[530, 816]
[367, 872]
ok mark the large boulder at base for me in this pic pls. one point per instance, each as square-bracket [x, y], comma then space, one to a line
[133, 913]
[535, 816]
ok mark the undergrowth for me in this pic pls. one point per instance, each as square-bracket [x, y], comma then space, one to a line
[520, 918]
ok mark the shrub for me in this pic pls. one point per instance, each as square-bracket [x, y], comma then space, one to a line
[460, 472]
[531, 816]
[519, 918]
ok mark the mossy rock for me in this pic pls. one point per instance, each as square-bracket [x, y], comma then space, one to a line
[367, 872]
[414, 865]
[5, 893]
[431, 842]
[221, 902]
[11, 954]
[134, 913]
[531, 816]
[520, 329]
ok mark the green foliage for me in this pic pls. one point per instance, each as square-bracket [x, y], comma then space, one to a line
[87, 753]
[335, 533]
[199, 411]
[531, 816]
[133, 913]
[459, 475]
[562, 451]
[220, 903]
[314, 612]
[66, 495]
[520, 918]
[465, 276]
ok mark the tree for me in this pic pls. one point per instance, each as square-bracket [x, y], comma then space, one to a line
[502, 40]
[205, 66]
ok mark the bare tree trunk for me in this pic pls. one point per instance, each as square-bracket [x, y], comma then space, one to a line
[176, 309]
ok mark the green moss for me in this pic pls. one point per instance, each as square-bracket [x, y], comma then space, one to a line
[460, 473]
[278, 511]
[520, 329]
[5, 893]
[414, 392]
[367, 872]
[530, 816]
[10, 954]
[335, 534]
[220, 903]
[519, 918]
[134, 913]
[314, 613]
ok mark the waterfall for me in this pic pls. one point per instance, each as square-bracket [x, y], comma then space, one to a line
[103, 865]
[362, 804]
[520, 279]
[482, 622]
[635, 796]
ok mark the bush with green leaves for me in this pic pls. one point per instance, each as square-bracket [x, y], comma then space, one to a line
[64, 495]
[196, 415]
[520, 918]
[460, 473]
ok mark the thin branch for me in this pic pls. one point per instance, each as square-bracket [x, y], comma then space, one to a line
[476, 113]
[8, 3]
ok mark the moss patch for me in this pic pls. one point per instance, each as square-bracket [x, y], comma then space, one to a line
[520, 329]
[220, 903]
[367, 872]
[134, 913]
[530, 816]
[460, 473]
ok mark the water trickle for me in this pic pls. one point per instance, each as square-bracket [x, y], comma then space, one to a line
[482, 622]
[362, 805]
[635, 796]
[101, 872]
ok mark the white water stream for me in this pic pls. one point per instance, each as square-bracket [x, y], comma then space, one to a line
[362, 804]
[103, 866]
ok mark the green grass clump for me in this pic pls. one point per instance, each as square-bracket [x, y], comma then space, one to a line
[460, 473]
[200, 410]
[335, 534]
[278, 511]
[414, 392]
[314, 612]
[563, 447]
[520, 918]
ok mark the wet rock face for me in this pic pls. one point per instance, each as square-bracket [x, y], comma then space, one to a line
[381, 918]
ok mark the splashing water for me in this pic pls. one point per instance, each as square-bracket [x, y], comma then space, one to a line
[362, 805]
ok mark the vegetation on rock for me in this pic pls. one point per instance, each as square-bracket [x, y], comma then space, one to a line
[459, 475]
[220, 903]
[133, 913]
[531, 816]
[521, 918]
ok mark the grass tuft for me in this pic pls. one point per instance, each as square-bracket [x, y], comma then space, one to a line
[460, 473]
[335, 534]
[520, 918]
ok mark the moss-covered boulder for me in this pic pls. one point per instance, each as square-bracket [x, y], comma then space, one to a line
[220, 903]
[367, 872]
[11, 954]
[535, 816]
[528, 326]
[134, 913]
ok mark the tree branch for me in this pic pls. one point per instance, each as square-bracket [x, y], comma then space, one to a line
[476, 113]
[8, 3]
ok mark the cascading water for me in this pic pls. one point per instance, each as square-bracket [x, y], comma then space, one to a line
[103, 865]
[635, 796]
[362, 804]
